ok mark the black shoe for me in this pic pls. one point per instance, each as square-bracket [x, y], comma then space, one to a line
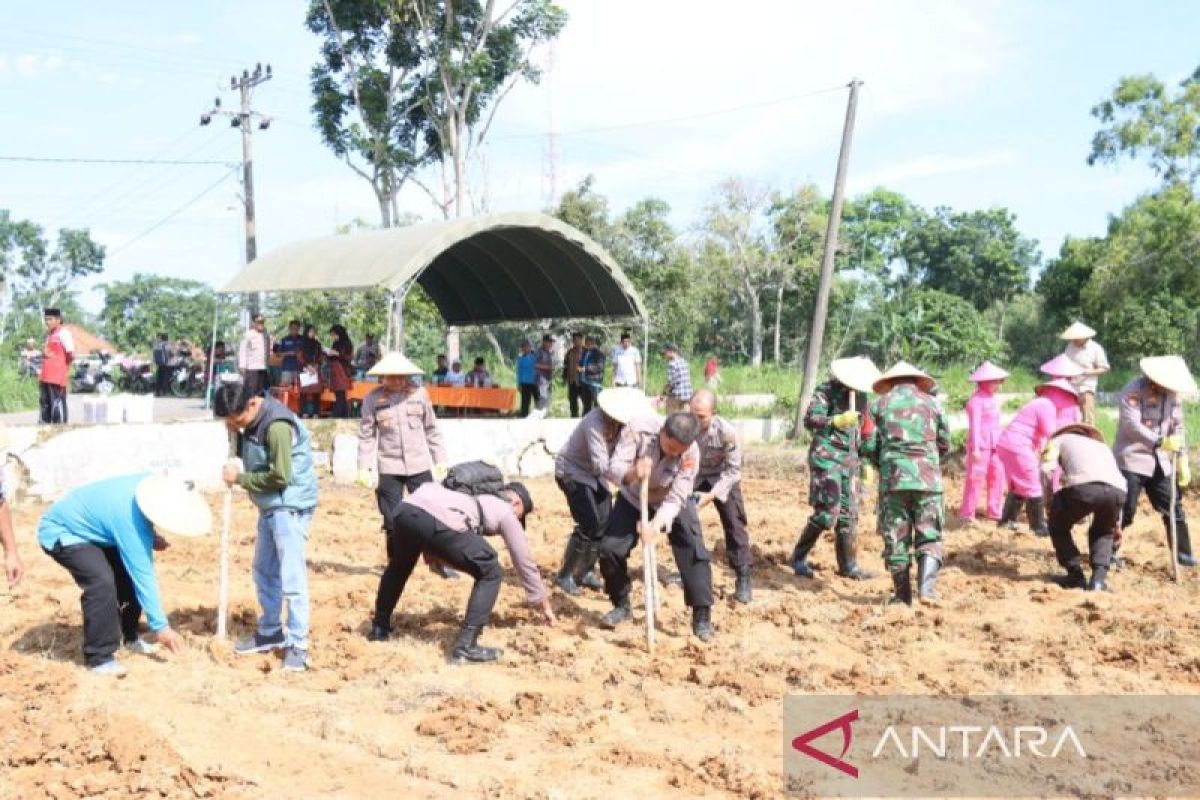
[1008, 515]
[591, 580]
[379, 633]
[901, 588]
[1035, 508]
[927, 570]
[847, 563]
[567, 584]
[620, 612]
[572, 556]
[702, 623]
[1098, 582]
[585, 574]
[741, 590]
[1186, 560]
[467, 651]
[804, 545]
[802, 569]
[1074, 579]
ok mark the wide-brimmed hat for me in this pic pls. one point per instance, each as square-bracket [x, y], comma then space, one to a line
[899, 370]
[1081, 428]
[1061, 367]
[1077, 331]
[395, 364]
[858, 373]
[1057, 383]
[623, 403]
[174, 505]
[1169, 372]
[988, 372]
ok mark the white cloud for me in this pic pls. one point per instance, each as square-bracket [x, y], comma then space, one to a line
[905, 172]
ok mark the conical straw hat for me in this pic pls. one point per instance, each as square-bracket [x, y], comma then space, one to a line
[1077, 331]
[395, 364]
[623, 403]
[1058, 383]
[1169, 372]
[174, 505]
[1061, 367]
[1081, 428]
[902, 369]
[858, 373]
[988, 372]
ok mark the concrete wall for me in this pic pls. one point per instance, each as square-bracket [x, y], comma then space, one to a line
[44, 463]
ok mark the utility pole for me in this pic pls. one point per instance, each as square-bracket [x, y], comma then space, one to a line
[244, 119]
[816, 338]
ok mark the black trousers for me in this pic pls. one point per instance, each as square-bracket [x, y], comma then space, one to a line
[391, 490]
[687, 545]
[574, 395]
[732, 512]
[389, 493]
[110, 607]
[162, 380]
[589, 505]
[1158, 489]
[414, 531]
[528, 397]
[52, 402]
[587, 396]
[257, 380]
[340, 409]
[1072, 504]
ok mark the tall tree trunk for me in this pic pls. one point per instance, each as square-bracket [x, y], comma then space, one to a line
[385, 209]
[778, 319]
[500, 359]
[756, 328]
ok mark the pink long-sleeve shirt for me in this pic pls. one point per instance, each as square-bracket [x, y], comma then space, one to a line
[983, 420]
[1038, 419]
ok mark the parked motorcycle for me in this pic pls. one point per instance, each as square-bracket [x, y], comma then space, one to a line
[96, 374]
[30, 367]
[137, 376]
[188, 378]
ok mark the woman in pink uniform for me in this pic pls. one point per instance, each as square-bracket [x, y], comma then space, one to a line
[1020, 446]
[983, 428]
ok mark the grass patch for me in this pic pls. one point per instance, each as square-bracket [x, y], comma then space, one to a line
[16, 393]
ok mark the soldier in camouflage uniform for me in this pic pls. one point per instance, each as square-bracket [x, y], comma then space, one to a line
[834, 466]
[910, 440]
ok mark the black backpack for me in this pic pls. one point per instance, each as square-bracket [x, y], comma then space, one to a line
[475, 478]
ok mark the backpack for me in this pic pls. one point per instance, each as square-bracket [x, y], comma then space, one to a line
[475, 478]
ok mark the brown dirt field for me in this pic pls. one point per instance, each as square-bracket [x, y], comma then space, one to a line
[573, 711]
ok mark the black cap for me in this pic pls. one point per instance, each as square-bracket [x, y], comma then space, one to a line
[520, 491]
[52, 312]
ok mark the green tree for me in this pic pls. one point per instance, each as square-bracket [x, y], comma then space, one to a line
[929, 327]
[1063, 281]
[1143, 118]
[798, 224]
[874, 227]
[137, 310]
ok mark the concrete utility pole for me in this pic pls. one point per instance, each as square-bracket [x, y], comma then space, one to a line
[816, 338]
[244, 119]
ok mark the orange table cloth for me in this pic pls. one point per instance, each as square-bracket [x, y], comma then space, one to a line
[488, 399]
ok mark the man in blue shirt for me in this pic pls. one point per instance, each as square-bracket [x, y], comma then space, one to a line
[104, 534]
[526, 377]
[289, 347]
[591, 372]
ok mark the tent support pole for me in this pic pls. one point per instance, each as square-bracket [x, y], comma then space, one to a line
[212, 349]
[646, 354]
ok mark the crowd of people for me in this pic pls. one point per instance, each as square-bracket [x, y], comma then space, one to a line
[624, 459]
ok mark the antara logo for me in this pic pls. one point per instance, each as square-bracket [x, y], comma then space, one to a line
[801, 743]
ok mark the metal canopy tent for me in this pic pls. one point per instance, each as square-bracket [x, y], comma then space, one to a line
[476, 270]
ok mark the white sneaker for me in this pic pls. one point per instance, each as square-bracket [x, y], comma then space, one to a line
[111, 668]
[141, 647]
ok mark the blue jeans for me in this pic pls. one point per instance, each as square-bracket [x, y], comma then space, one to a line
[281, 573]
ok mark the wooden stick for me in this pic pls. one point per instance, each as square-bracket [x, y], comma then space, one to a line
[223, 585]
[1174, 527]
[649, 567]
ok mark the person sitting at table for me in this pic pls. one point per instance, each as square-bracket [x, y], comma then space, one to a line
[337, 356]
[439, 374]
[456, 376]
[310, 356]
[479, 377]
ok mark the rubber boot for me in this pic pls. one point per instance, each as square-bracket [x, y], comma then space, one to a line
[901, 587]
[571, 564]
[1184, 555]
[586, 576]
[927, 570]
[1074, 579]
[620, 612]
[1036, 509]
[800, 553]
[467, 651]
[702, 623]
[741, 590]
[843, 545]
[379, 633]
[1098, 582]
[1008, 515]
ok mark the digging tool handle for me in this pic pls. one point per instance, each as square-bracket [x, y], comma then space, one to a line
[223, 567]
[1174, 526]
[649, 571]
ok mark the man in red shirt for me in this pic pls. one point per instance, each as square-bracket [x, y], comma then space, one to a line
[57, 354]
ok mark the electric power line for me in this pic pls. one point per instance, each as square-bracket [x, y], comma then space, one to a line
[67, 160]
[176, 212]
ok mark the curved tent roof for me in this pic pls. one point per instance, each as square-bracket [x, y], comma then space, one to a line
[476, 269]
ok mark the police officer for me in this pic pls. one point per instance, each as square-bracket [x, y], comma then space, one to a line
[719, 482]
[1150, 437]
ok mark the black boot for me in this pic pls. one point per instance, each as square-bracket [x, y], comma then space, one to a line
[1098, 582]
[572, 556]
[901, 587]
[586, 576]
[927, 570]
[1184, 550]
[843, 545]
[1008, 515]
[741, 590]
[702, 623]
[620, 612]
[1035, 507]
[379, 633]
[800, 553]
[1074, 579]
[466, 651]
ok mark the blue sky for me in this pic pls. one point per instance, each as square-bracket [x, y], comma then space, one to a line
[966, 104]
